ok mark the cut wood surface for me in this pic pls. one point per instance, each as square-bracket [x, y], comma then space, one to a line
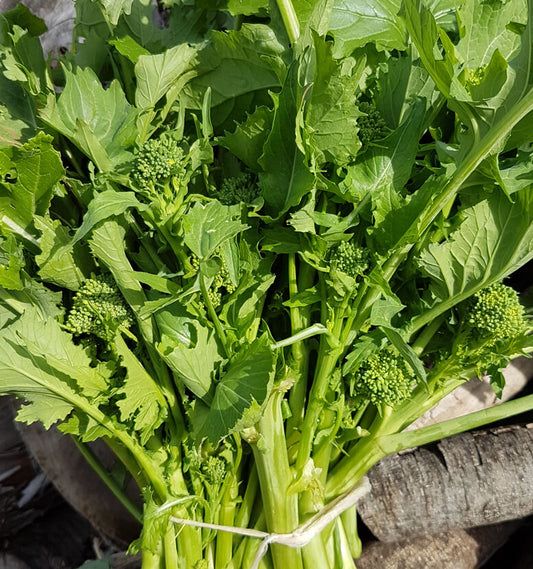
[458, 549]
[473, 479]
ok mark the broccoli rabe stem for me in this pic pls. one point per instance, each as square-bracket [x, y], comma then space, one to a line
[326, 363]
[300, 319]
[280, 506]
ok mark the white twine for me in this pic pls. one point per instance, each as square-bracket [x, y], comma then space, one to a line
[302, 535]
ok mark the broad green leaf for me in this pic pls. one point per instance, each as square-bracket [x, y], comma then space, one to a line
[487, 27]
[96, 119]
[354, 24]
[142, 399]
[35, 169]
[242, 309]
[196, 364]
[208, 226]
[157, 73]
[286, 177]
[60, 263]
[247, 381]
[401, 80]
[21, 16]
[331, 114]
[32, 296]
[249, 137]
[39, 363]
[236, 63]
[384, 310]
[107, 245]
[494, 239]
[103, 206]
[22, 61]
[17, 114]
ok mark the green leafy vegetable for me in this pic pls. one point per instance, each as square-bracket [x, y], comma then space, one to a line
[252, 246]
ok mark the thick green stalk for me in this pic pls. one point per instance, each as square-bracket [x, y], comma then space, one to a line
[400, 441]
[169, 545]
[224, 546]
[280, 507]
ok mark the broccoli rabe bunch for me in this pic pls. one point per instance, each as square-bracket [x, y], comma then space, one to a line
[371, 124]
[384, 378]
[497, 314]
[350, 259]
[98, 308]
[487, 331]
[238, 189]
[159, 170]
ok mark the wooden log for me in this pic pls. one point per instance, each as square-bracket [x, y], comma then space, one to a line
[457, 549]
[81, 487]
[473, 479]
[24, 494]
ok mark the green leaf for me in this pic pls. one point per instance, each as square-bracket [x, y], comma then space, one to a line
[488, 27]
[196, 364]
[21, 16]
[17, 114]
[249, 138]
[494, 239]
[402, 80]
[103, 206]
[35, 170]
[22, 61]
[107, 245]
[424, 34]
[246, 7]
[248, 380]
[354, 24]
[39, 363]
[286, 177]
[143, 401]
[59, 262]
[207, 226]
[235, 63]
[382, 171]
[157, 73]
[129, 48]
[384, 310]
[97, 120]
[11, 263]
[331, 114]
[113, 9]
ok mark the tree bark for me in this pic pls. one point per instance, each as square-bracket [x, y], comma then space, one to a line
[473, 479]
